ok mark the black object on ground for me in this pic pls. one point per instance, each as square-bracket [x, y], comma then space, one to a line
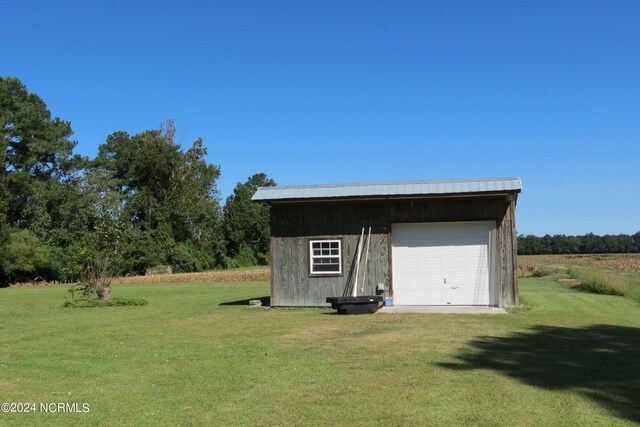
[356, 305]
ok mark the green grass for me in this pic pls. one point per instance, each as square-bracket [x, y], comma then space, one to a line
[196, 355]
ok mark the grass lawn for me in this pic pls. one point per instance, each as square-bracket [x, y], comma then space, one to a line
[196, 355]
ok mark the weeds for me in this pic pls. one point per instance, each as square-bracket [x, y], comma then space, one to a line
[542, 272]
[113, 302]
[588, 273]
[604, 282]
[628, 263]
[598, 285]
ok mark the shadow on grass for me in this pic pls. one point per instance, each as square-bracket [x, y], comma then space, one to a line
[265, 301]
[600, 361]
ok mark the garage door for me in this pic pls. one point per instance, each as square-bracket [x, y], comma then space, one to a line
[441, 263]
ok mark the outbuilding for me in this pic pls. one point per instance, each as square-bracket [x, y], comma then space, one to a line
[445, 242]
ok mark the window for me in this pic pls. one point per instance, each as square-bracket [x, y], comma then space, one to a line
[325, 257]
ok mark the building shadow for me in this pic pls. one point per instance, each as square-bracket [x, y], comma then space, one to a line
[600, 361]
[265, 301]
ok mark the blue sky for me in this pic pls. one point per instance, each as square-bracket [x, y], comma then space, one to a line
[360, 91]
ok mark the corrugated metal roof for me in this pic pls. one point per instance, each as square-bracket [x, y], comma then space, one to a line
[389, 189]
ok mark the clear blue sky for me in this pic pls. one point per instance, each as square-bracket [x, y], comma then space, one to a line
[359, 91]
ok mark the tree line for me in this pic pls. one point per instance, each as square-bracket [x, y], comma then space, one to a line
[142, 202]
[586, 244]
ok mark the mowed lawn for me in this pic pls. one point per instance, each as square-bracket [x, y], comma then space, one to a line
[196, 355]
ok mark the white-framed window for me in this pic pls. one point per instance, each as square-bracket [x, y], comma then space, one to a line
[325, 257]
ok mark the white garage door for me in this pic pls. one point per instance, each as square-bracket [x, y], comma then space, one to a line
[441, 263]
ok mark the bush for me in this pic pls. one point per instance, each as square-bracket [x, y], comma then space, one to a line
[245, 258]
[113, 302]
[542, 272]
[187, 259]
[598, 285]
[25, 257]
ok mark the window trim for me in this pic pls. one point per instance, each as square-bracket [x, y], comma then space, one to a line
[310, 256]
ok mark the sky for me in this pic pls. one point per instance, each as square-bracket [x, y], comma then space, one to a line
[322, 92]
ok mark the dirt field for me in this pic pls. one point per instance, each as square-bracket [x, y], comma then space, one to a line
[627, 263]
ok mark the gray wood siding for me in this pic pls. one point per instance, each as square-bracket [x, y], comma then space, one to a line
[292, 225]
[292, 285]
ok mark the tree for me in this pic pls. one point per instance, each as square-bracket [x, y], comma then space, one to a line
[39, 182]
[246, 224]
[142, 201]
[164, 198]
[25, 257]
[586, 244]
[36, 152]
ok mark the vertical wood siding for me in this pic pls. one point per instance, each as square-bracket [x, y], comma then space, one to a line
[292, 225]
[292, 285]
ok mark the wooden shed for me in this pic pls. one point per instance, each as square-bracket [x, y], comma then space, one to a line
[450, 242]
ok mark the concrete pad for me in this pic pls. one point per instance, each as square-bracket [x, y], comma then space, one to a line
[441, 309]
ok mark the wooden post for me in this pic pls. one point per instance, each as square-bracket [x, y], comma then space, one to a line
[514, 251]
[272, 258]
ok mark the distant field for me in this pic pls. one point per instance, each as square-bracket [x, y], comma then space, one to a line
[616, 262]
[252, 274]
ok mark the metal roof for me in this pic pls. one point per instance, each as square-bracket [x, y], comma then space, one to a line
[389, 189]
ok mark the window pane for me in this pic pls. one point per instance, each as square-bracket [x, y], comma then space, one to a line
[327, 268]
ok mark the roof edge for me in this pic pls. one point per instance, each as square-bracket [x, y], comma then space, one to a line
[390, 190]
[368, 184]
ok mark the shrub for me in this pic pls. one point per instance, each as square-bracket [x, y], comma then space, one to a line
[187, 259]
[598, 285]
[25, 256]
[245, 258]
[542, 272]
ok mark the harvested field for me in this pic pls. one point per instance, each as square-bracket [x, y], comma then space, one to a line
[240, 275]
[628, 263]
[254, 274]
